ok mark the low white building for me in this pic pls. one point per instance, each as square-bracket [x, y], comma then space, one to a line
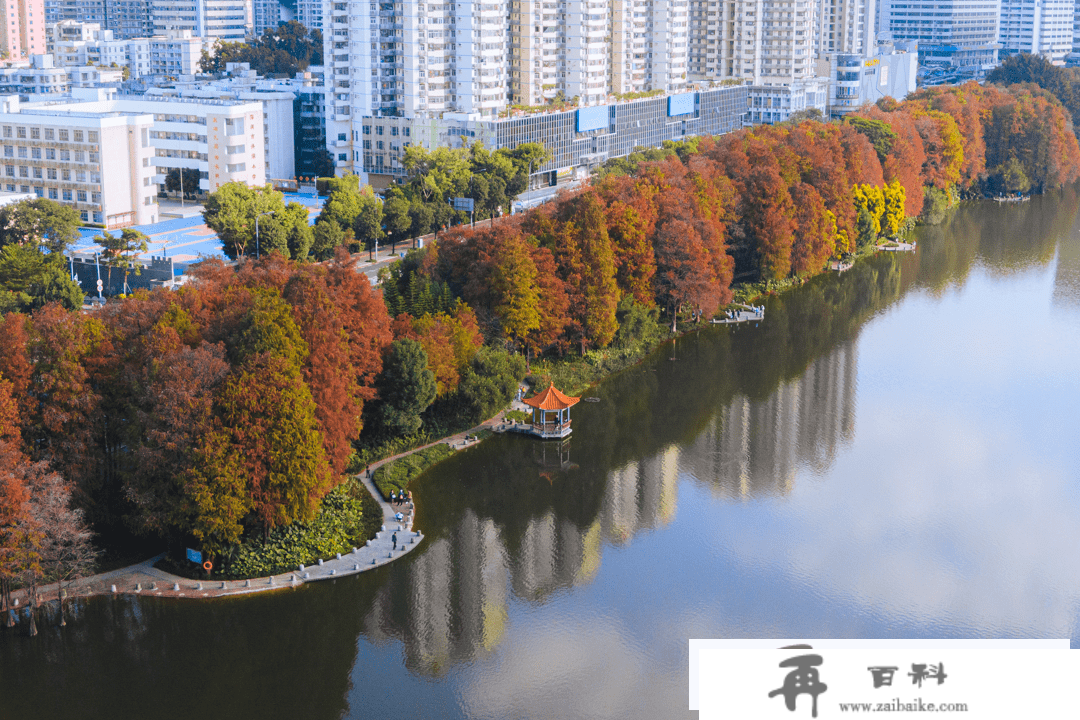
[770, 104]
[98, 163]
[171, 54]
[108, 157]
[43, 77]
[278, 101]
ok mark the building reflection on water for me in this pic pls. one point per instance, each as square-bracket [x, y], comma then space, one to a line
[754, 447]
[452, 604]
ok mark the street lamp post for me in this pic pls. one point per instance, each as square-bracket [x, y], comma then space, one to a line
[268, 212]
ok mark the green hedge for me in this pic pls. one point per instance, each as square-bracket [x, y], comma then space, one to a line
[396, 476]
[348, 517]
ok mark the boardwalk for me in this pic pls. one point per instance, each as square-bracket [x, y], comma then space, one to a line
[144, 579]
[745, 314]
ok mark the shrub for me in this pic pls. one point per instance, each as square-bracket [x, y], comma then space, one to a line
[348, 517]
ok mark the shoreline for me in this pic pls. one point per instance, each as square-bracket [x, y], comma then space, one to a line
[144, 579]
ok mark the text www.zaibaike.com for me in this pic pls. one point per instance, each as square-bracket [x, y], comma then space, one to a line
[896, 705]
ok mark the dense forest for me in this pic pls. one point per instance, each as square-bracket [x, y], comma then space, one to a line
[230, 407]
[671, 228]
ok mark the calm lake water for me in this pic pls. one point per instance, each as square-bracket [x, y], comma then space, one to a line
[893, 452]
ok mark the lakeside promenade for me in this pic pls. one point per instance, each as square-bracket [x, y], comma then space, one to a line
[145, 579]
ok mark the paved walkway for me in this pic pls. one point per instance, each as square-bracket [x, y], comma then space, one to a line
[144, 579]
[746, 314]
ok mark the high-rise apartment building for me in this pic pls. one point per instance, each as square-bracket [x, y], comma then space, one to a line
[310, 13]
[1039, 28]
[87, 11]
[845, 26]
[22, 28]
[129, 18]
[961, 33]
[268, 14]
[762, 42]
[226, 20]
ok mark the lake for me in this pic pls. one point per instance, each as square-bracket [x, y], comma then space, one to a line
[894, 451]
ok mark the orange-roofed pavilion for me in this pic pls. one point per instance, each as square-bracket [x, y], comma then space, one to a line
[551, 412]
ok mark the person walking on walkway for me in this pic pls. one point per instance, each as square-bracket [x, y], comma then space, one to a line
[394, 539]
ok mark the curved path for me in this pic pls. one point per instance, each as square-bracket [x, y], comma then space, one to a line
[144, 579]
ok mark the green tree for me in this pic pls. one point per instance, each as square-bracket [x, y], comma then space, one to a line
[188, 176]
[328, 235]
[880, 135]
[270, 416]
[489, 384]
[30, 279]
[269, 327]
[231, 210]
[39, 222]
[120, 251]
[369, 220]
[1009, 177]
[514, 285]
[396, 216]
[406, 387]
[344, 203]
[299, 236]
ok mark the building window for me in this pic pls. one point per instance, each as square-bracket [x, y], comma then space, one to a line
[50, 154]
[7, 131]
[9, 151]
[78, 135]
[378, 129]
[35, 133]
[65, 175]
[343, 157]
[67, 195]
[65, 155]
[20, 133]
[80, 156]
[35, 153]
[80, 176]
[92, 136]
[85, 216]
[39, 191]
[50, 173]
[379, 145]
[49, 135]
[52, 194]
[9, 170]
[24, 171]
[64, 135]
[342, 137]
[81, 195]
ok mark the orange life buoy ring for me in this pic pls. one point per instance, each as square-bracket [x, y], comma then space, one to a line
[208, 566]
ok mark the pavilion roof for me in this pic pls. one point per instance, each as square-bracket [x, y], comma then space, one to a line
[551, 399]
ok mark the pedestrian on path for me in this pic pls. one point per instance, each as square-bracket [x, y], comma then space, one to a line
[394, 538]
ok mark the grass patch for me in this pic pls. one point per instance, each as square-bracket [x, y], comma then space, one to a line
[517, 416]
[575, 374]
[396, 475]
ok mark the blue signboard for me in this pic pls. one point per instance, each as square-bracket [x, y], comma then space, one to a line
[463, 204]
[194, 556]
[592, 118]
[681, 104]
